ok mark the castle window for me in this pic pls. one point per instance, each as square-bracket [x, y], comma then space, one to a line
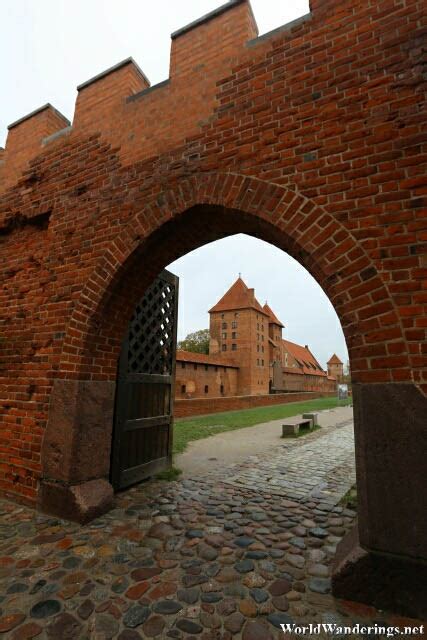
[206, 388]
[182, 365]
[223, 315]
[257, 348]
[257, 361]
[224, 325]
[195, 366]
[216, 368]
[221, 389]
[206, 367]
[183, 388]
[262, 338]
[224, 336]
[234, 335]
[234, 325]
[262, 349]
[234, 347]
[224, 347]
[257, 326]
[262, 363]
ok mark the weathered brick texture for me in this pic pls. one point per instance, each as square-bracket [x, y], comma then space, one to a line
[311, 138]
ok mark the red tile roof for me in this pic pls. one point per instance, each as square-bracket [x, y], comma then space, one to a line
[305, 358]
[334, 360]
[274, 319]
[239, 296]
[201, 358]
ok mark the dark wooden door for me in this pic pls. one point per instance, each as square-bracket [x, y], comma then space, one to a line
[143, 423]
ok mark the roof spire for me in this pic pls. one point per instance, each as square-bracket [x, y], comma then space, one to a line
[240, 274]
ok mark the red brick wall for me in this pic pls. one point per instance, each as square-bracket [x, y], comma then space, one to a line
[200, 406]
[195, 380]
[312, 138]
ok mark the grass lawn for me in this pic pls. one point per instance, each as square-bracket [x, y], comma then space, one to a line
[349, 501]
[188, 429]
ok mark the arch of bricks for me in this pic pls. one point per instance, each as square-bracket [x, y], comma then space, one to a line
[311, 138]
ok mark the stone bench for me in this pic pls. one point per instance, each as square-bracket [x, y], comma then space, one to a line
[313, 417]
[293, 425]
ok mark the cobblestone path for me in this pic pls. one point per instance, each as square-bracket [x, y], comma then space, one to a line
[230, 555]
[322, 468]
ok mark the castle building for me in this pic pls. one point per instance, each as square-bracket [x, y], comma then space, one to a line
[247, 354]
[336, 368]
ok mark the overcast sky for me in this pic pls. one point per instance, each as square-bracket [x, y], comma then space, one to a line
[295, 297]
[48, 47]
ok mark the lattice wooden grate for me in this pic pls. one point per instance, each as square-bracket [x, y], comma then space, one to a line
[151, 331]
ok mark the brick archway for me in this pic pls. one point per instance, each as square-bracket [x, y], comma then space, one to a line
[196, 211]
[309, 137]
[283, 217]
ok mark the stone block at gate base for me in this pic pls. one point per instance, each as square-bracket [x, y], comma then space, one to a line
[79, 503]
[387, 582]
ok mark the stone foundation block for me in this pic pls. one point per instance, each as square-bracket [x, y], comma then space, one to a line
[79, 503]
[389, 583]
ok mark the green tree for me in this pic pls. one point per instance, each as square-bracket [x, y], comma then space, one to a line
[197, 342]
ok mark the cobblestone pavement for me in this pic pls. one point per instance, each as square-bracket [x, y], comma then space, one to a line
[230, 555]
[321, 468]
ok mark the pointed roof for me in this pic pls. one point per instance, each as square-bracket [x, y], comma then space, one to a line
[304, 358]
[334, 360]
[239, 296]
[274, 319]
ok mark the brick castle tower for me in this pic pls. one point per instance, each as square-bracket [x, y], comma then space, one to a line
[240, 329]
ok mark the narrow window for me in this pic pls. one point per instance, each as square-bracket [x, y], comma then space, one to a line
[224, 336]
[195, 366]
[224, 347]
[183, 365]
[221, 388]
[206, 367]
[262, 363]
[183, 388]
[234, 347]
[206, 388]
[234, 335]
[224, 325]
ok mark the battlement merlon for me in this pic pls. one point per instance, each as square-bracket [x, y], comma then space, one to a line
[29, 130]
[220, 33]
[100, 95]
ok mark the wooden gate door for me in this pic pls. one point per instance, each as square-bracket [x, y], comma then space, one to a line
[143, 424]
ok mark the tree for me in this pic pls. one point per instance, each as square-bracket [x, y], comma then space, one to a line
[197, 342]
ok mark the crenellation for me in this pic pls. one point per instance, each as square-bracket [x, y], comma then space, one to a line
[99, 98]
[220, 35]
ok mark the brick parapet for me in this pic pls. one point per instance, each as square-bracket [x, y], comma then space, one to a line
[202, 406]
